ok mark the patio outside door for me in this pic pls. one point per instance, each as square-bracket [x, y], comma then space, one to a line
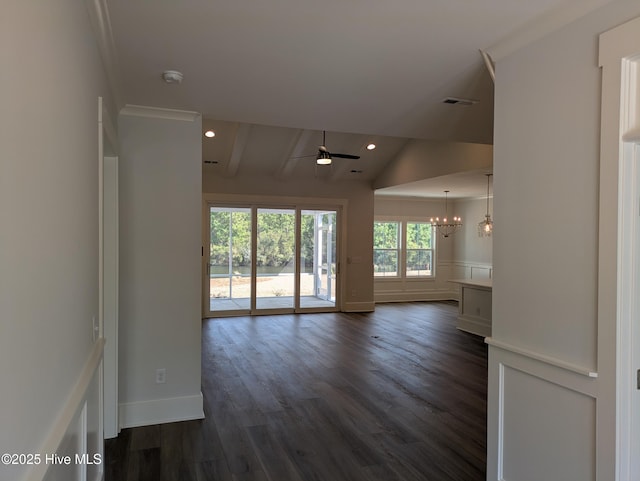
[275, 259]
[318, 259]
[271, 260]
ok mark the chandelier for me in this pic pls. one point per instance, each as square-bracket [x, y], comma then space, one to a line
[485, 228]
[445, 226]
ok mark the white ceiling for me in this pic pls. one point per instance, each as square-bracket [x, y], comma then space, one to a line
[273, 75]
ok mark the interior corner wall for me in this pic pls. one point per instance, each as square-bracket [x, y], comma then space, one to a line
[460, 256]
[358, 275]
[48, 218]
[543, 396]
[160, 178]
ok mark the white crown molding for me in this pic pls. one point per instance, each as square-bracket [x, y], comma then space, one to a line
[543, 25]
[159, 113]
[100, 20]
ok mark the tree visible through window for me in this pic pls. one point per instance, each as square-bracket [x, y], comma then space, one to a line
[386, 248]
[419, 249]
[403, 249]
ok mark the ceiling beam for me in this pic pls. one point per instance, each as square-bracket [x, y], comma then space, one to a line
[239, 144]
[298, 146]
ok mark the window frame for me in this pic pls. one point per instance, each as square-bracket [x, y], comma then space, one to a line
[402, 249]
[397, 250]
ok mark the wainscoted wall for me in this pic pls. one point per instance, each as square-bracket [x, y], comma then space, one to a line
[555, 307]
[435, 289]
[73, 450]
[462, 256]
[546, 410]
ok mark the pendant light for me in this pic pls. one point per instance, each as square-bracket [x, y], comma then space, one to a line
[445, 226]
[485, 228]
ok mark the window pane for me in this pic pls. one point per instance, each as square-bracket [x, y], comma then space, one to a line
[229, 258]
[385, 263]
[419, 262]
[419, 235]
[385, 235]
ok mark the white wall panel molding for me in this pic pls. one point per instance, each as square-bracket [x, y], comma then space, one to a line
[548, 360]
[66, 427]
[388, 289]
[546, 429]
[157, 411]
[159, 113]
[416, 296]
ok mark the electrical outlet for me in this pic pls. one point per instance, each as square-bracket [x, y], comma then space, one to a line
[161, 376]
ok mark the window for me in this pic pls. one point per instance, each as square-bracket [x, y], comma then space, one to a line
[386, 248]
[403, 249]
[419, 249]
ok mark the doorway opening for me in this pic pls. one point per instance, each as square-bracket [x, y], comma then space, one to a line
[271, 259]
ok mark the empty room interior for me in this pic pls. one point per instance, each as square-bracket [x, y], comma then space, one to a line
[256, 241]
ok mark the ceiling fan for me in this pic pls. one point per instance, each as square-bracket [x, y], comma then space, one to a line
[324, 157]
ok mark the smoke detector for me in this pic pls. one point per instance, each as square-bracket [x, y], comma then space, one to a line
[172, 76]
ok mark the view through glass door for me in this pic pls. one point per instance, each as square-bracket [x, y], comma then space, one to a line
[275, 259]
[318, 258]
[271, 259]
[229, 268]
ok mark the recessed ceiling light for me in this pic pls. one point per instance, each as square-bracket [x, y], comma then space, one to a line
[371, 146]
[210, 133]
[172, 76]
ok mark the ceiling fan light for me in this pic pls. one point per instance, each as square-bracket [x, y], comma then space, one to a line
[324, 158]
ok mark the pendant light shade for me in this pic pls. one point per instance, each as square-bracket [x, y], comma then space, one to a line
[485, 228]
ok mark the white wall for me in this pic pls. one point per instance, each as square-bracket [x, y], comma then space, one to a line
[462, 255]
[424, 159]
[358, 276]
[48, 217]
[160, 249]
[468, 248]
[546, 166]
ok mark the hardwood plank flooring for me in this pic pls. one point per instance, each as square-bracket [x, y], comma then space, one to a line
[398, 394]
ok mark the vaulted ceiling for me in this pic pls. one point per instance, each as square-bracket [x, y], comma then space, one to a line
[269, 77]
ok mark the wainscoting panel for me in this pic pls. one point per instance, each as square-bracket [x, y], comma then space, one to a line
[76, 440]
[541, 419]
[434, 289]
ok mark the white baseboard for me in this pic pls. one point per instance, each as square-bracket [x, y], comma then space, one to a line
[160, 411]
[404, 296]
[477, 326]
[368, 306]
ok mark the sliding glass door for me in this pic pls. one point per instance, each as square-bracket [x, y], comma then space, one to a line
[318, 258]
[271, 259]
[275, 259]
[229, 268]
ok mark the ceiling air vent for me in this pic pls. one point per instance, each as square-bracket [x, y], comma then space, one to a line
[458, 101]
[210, 161]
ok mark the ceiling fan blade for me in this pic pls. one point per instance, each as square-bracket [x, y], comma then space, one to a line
[303, 156]
[345, 156]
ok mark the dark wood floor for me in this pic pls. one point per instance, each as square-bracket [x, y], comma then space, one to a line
[397, 394]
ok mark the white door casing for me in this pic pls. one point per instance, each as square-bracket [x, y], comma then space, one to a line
[108, 268]
[619, 244]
